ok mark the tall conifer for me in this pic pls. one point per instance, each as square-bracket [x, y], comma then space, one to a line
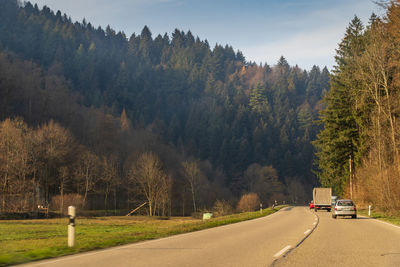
[337, 143]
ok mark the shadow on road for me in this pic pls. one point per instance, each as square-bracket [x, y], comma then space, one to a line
[349, 218]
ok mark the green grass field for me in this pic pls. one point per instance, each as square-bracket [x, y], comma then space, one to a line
[29, 240]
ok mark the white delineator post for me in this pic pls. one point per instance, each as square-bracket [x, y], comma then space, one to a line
[369, 210]
[71, 226]
[260, 208]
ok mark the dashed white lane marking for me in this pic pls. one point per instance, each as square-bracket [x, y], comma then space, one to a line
[315, 223]
[306, 232]
[315, 219]
[282, 251]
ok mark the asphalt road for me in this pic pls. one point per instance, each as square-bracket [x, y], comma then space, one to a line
[257, 242]
[347, 242]
[293, 236]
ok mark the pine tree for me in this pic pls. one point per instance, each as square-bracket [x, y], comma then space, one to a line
[337, 143]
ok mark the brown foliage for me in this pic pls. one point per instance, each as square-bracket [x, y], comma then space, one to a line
[222, 208]
[378, 187]
[248, 202]
[377, 180]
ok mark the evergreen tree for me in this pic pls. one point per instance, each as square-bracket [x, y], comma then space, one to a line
[338, 142]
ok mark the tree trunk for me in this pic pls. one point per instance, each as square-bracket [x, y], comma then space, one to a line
[86, 186]
[115, 201]
[193, 196]
[86, 192]
[105, 202]
[3, 202]
[183, 206]
[62, 197]
[351, 176]
[150, 207]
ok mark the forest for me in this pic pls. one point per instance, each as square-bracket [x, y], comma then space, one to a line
[358, 148]
[92, 117]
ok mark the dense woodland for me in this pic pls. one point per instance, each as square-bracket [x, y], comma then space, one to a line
[358, 149]
[109, 121]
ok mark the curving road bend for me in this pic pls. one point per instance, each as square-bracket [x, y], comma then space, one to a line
[258, 242]
[347, 242]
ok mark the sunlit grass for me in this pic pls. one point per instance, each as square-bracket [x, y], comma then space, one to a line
[29, 240]
[380, 215]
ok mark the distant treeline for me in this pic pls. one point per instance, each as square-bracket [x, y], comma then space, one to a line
[358, 150]
[245, 127]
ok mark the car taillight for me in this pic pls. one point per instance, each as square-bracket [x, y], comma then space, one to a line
[335, 208]
[355, 208]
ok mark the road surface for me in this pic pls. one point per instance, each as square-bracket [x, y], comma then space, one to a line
[294, 236]
[347, 242]
[252, 243]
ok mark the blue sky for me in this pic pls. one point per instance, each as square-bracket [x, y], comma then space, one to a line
[306, 32]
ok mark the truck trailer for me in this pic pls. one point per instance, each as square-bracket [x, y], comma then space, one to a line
[322, 198]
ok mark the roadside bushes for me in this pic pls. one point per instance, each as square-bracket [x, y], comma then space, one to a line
[248, 202]
[222, 208]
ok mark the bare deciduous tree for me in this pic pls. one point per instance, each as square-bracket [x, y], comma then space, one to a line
[55, 147]
[63, 179]
[110, 178]
[87, 172]
[148, 174]
[14, 165]
[192, 174]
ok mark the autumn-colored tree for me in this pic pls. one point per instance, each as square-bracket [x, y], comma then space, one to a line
[248, 202]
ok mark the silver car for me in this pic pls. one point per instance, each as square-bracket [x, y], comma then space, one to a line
[344, 207]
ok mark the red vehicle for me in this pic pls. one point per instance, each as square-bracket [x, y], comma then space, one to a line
[311, 204]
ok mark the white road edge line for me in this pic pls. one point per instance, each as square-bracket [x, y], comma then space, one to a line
[306, 232]
[282, 251]
[395, 226]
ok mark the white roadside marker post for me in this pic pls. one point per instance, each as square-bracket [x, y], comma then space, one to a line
[369, 210]
[260, 208]
[71, 226]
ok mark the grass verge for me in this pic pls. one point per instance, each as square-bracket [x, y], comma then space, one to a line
[394, 219]
[29, 240]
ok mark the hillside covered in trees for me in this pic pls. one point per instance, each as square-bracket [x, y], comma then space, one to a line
[358, 149]
[90, 113]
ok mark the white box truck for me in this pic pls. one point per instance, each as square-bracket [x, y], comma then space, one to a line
[322, 198]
